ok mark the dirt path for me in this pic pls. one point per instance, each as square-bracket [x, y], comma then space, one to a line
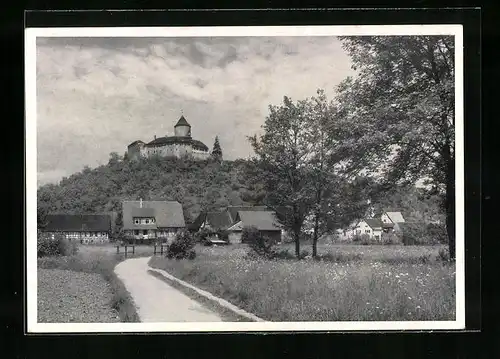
[156, 301]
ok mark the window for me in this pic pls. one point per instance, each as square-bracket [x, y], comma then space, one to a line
[136, 221]
[136, 232]
[152, 220]
[358, 231]
[147, 221]
[145, 232]
[377, 237]
[367, 231]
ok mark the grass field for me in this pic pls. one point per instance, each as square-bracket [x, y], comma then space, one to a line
[93, 268]
[357, 283]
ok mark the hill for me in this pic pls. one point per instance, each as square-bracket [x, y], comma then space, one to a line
[197, 185]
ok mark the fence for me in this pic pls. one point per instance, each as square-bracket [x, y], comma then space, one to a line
[128, 250]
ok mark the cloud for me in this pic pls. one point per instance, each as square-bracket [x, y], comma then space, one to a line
[97, 95]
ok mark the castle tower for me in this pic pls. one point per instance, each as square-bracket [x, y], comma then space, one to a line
[182, 128]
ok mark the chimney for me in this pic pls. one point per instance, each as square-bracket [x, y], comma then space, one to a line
[141, 202]
[155, 137]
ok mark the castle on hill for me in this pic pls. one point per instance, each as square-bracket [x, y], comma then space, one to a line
[179, 145]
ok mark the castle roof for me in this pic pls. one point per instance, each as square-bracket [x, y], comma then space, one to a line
[162, 141]
[135, 142]
[182, 122]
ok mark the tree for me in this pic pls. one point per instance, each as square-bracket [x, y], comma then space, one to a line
[281, 155]
[217, 151]
[321, 162]
[399, 113]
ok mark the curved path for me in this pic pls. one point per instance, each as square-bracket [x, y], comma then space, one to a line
[155, 300]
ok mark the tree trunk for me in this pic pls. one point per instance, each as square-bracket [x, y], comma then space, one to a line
[450, 201]
[296, 235]
[315, 236]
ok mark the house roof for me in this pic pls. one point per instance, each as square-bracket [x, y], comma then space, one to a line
[395, 217]
[143, 212]
[387, 225]
[78, 222]
[233, 210]
[168, 214]
[262, 220]
[135, 142]
[373, 222]
[182, 122]
[162, 141]
[218, 220]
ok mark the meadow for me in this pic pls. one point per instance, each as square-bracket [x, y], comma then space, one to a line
[352, 283]
[99, 296]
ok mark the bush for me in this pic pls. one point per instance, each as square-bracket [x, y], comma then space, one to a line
[284, 254]
[58, 246]
[362, 239]
[390, 238]
[182, 246]
[437, 232]
[303, 254]
[260, 245]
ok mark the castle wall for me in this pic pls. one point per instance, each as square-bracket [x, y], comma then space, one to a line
[200, 155]
[135, 151]
[176, 150]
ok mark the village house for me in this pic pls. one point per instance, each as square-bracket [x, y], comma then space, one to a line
[152, 221]
[82, 228]
[222, 220]
[391, 221]
[179, 145]
[372, 227]
[235, 218]
[264, 221]
[212, 220]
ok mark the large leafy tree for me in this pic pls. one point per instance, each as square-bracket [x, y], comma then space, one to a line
[282, 156]
[399, 113]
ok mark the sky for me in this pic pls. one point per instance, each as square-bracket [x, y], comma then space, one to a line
[97, 95]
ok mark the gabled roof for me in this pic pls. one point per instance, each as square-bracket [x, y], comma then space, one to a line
[373, 223]
[78, 222]
[395, 217]
[233, 210]
[168, 214]
[262, 220]
[218, 220]
[182, 122]
[197, 222]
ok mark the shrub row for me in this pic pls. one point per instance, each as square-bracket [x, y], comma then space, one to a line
[57, 246]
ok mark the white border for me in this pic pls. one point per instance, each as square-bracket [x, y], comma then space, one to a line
[31, 176]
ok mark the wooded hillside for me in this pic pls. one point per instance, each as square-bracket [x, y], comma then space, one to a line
[197, 185]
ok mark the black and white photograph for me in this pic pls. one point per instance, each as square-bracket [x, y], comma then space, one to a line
[282, 178]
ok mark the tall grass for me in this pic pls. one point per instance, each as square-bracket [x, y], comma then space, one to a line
[350, 285]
